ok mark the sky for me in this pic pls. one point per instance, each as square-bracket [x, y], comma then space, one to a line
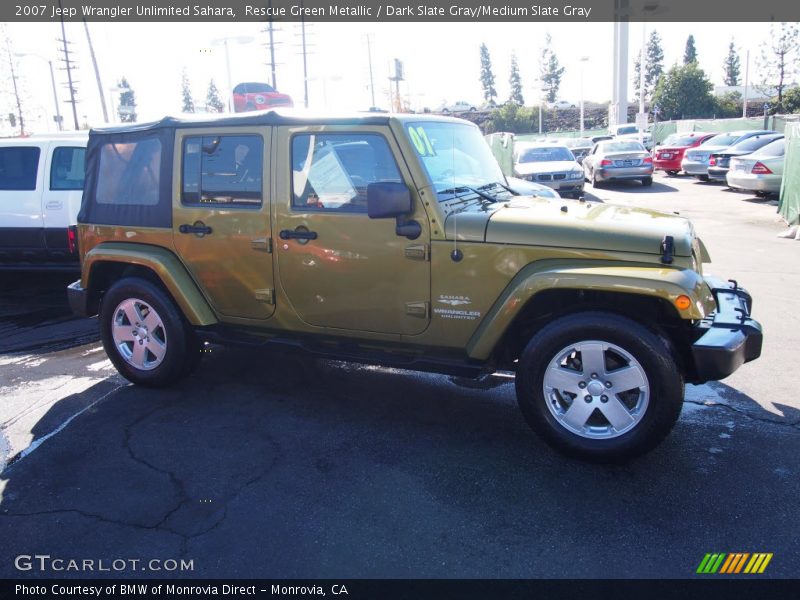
[441, 61]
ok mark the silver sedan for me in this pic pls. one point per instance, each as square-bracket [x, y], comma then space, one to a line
[760, 172]
[618, 160]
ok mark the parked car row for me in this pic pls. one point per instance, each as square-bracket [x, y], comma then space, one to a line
[746, 160]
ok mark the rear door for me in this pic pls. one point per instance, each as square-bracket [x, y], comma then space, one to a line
[221, 217]
[64, 172]
[21, 221]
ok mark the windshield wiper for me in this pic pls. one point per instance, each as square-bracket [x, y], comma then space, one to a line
[502, 185]
[465, 188]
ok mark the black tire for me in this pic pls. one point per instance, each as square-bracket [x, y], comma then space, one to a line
[651, 351]
[647, 181]
[703, 178]
[183, 350]
[672, 173]
[595, 182]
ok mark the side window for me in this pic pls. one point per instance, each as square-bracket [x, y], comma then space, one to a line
[18, 168]
[223, 170]
[129, 173]
[331, 172]
[67, 168]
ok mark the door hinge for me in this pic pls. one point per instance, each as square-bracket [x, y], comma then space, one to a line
[417, 309]
[263, 243]
[267, 296]
[417, 252]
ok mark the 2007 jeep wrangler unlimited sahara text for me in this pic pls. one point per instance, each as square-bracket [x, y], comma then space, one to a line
[395, 240]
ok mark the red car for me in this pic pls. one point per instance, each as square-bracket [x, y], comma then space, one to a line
[668, 156]
[258, 96]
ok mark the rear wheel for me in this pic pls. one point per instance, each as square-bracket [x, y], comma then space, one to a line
[672, 172]
[703, 177]
[599, 386]
[595, 181]
[144, 334]
[647, 181]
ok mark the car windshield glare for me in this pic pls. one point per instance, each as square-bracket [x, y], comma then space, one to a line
[627, 130]
[680, 140]
[721, 140]
[544, 154]
[622, 147]
[453, 155]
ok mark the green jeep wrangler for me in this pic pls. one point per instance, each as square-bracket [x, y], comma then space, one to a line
[396, 240]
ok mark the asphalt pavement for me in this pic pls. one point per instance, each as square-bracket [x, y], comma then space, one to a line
[270, 465]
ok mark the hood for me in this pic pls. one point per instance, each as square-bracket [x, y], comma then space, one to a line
[560, 166]
[542, 222]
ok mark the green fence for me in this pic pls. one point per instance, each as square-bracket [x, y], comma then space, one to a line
[789, 206]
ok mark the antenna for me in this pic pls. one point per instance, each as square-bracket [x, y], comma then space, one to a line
[456, 255]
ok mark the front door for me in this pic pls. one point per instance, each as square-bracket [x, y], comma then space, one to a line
[221, 222]
[339, 268]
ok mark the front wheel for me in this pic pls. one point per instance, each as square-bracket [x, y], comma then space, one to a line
[144, 334]
[599, 386]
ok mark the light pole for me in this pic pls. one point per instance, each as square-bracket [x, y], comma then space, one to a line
[642, 67]
[237, 39]
[582, 60]
[52, 81]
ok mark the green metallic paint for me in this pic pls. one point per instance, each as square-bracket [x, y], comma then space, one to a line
[163, 263]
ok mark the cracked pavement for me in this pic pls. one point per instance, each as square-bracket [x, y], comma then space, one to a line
[271, 465]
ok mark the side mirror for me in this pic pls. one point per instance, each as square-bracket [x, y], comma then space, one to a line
[388, 200]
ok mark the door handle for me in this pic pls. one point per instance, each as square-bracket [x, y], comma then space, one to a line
[288, 234]
[198, 228]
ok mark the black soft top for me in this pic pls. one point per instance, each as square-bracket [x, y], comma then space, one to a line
[255, 118]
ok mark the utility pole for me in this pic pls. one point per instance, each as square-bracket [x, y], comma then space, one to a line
[746, 78]
[271, 32]
[16, 91]
[305, 58]
[96, 72]
[68, 68]
[397, 78]
[371, 82]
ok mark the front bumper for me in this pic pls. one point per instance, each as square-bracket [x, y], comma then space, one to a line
[728, 338]
[78, 299]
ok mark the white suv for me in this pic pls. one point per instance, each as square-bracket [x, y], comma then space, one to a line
[41, 184]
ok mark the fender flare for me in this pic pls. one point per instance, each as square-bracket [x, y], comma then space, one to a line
[665, 283]
[167, 267]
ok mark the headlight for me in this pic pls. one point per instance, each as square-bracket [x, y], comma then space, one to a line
[575, 174]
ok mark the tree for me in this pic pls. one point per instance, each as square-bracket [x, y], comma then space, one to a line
[791, 100]
[690, 53]
[127, 102]
[487, 76]
[515, 83]
[654, 68]
[777, 64]
[729, 105]
[186, 93]
[550, 71]
[684, 92]
[213, 102]
[731, 66]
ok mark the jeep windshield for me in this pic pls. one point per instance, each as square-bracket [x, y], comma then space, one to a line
[455, 156]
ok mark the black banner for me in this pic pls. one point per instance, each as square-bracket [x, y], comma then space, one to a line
[547, 11]
[406, 589]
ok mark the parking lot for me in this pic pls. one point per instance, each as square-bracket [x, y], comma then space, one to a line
[271, 465]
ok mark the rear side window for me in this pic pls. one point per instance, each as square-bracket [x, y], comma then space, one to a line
[68, 169]
[18, 168]
[753, 143]
[129, 173]
[223, 170]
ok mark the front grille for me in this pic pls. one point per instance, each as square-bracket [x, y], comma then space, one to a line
[559, 176]
[544, 177]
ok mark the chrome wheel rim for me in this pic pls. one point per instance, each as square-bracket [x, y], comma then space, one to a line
[139, 334]
[596, 389]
